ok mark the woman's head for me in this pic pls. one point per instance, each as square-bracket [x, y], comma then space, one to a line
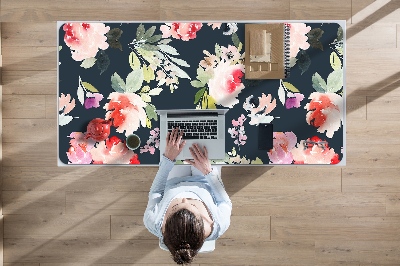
[184, 235]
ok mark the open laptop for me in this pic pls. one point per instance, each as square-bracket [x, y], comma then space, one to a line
[204, 127]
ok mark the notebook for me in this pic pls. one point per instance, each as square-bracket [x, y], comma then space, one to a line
[267, 48]
[204, 127]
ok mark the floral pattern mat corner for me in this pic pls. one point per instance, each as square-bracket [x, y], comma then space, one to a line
[126, 71]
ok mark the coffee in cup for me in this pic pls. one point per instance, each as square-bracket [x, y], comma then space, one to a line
[132, 142]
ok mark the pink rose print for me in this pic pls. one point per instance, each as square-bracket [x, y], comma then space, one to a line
[298, 38]
[85, 39]
[93, 100]
[237, 132]
[314, 151]
[126, 111]
[154, 139]
[183, 31]
[79, 152]
[325, 112]
[113, 151]
[293, 100]
[215, 25]
[226, 83]
[281, 153]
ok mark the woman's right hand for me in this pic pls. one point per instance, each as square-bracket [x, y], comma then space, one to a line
[200, 159]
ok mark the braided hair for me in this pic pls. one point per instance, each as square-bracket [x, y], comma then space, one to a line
[184, 235]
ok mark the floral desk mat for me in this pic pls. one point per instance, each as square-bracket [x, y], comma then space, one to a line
[125, 71]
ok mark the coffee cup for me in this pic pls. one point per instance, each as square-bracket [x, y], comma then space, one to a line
[132, 142]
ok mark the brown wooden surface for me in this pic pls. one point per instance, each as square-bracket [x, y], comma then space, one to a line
[281, 215]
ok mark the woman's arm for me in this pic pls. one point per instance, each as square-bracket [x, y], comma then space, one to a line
[156, 194]
[223, 202]
[173, 148]
[222, 199]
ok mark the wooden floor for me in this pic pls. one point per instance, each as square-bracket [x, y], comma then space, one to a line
[281, 215]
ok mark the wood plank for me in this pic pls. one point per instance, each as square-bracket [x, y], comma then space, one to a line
[107, 203]
[39, 130]
[381, 180]
[53, 226]
[129, 227]
[373, 12]
[397, 35]
[269, 179]
[384, 36]
[26, 58]
[309, 204]
[228, 251]
[358, 6]
[325, 9]
[29, 34]
[121, 10]
[364, 252]
[30, 154]
[201, 10]
[372, 155]
[29, 82]
[21, 264]
[383, 108]
[110, 178]
[33, 202]
[24, 106]
[372, 72]
[356, 109]
[372, 131]
[51, 106]
[393, 204]
[335, 228]
[249, 227]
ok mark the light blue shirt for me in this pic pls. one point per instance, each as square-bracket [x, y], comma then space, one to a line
[208, 188]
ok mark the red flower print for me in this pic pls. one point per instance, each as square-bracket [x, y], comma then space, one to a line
[126, 111]
[325, 112]
[113, 151]
[314, 151]
[85, 39]
[183, 31]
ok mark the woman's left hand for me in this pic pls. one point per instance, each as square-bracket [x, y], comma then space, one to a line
[174, 144]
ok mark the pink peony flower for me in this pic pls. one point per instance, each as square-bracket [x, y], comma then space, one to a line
[93, 100]
[76, 155]
[281, 153]
[113, 151]
[226, 83]
[79, 152]
[293, 100]
[298, 38]
[85, 39]
[325, 112]
[215, 25]
[183, 31]
[314, 153]
[126, 110]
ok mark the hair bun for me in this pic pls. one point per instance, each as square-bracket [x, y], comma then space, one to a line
[184, 245]
[183, 255]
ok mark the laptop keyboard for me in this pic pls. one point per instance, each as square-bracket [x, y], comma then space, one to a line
[196, 129]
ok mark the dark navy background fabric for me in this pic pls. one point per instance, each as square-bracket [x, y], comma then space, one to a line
[192, 52]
